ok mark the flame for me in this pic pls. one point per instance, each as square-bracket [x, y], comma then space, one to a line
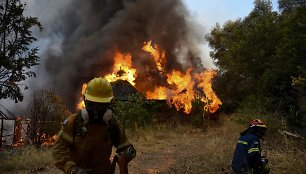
[81, 104]
[184, 90]
[159, 93]
[184, 94]
[211, 100]
[19, 131]
[158, 56]
[122, 69]
[49, 140]
[18, 140]
[179, 87]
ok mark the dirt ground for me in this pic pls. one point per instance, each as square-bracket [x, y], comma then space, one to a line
[180, 150]
[187, 150]
[165, 156]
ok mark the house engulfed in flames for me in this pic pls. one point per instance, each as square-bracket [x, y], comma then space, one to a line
[180, 90]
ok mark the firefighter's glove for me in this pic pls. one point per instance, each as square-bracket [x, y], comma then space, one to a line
[78, 170]
[264, 161]
[265, 168]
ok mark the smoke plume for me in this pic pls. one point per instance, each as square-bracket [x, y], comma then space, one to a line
[80, 38]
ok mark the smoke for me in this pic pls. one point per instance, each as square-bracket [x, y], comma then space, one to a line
[80, 38]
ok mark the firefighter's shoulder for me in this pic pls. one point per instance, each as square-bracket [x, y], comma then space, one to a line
[70, 120]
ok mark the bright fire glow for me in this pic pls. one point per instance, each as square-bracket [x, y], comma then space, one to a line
[49, 141]
[81, 104]
[158, 56]
[184, 92]
[212, 101]
[160, 93]
[122, 69]
[18, 141]
[179, 90]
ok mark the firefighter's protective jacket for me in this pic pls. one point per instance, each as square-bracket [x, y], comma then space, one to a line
[88, 145]
[247, 155]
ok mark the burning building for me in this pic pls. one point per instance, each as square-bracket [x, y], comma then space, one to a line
[155, 45]
[123, 90]
[178, 87]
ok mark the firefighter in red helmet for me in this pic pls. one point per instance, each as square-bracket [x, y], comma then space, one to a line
[247, 157]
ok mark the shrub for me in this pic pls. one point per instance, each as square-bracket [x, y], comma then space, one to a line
[133, 113]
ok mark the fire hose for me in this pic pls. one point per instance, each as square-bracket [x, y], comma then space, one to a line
[128, 155]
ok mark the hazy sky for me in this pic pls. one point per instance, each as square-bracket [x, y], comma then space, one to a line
[208, 13]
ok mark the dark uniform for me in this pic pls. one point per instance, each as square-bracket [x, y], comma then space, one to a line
[87, 144]
[247, 155]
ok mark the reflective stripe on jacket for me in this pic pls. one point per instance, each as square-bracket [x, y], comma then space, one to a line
[247, 155]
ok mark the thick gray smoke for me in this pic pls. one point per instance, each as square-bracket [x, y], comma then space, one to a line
[80, 37]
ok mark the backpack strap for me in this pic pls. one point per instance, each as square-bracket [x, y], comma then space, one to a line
[67, 131]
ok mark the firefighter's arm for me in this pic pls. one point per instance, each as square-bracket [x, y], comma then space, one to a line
[61, 148]
[125, 150]
[254, 156]
[119, 138]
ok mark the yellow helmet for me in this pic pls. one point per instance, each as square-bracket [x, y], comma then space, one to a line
[99, 90]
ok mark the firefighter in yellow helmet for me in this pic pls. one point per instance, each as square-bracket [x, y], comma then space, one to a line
[86, 139]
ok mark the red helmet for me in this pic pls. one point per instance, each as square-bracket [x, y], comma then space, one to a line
[257, 123]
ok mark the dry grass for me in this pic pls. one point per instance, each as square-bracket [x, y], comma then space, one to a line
[28, 158]
[183, 149]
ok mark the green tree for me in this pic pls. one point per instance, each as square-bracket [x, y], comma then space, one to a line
[16, 58]
[133, 113]
[261, 56]
[243, 50]
[290, 5]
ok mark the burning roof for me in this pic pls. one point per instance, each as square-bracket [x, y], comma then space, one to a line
[123, 89]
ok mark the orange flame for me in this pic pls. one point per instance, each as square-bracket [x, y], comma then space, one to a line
[180, 89]
[211, 100]
[160, 93]
[122, 69]
[158, 56]
[49, 141]
[184, 90]
[18, 141]
[81, 104]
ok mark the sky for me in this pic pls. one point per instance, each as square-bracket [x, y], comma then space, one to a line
[208, 13]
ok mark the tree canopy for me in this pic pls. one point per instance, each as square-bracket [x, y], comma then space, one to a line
[16, 56]
[260, 56]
